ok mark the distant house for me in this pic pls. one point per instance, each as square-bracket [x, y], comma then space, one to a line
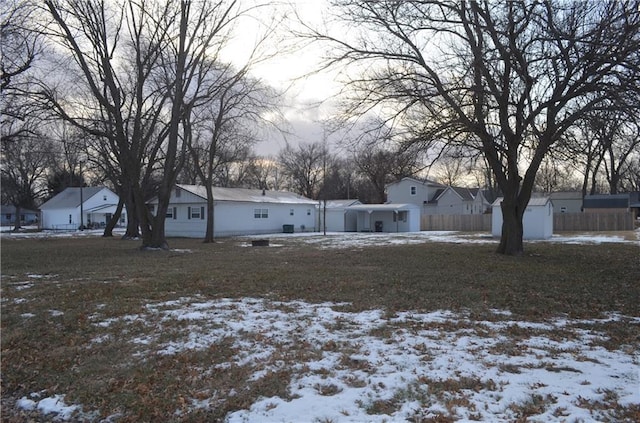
[237, 211]
[337, 218]
[434, 198]
[386, 217]
[98, 205]
[8, 215]
[537, 220]
[566, 201]
[413, 191]
[457, 201]
[604, 203]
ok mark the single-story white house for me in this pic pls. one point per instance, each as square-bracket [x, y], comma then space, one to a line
[337, 218]
[386, 217]
[537, 220]
[97, 206]
[237, 211]
[8, 215]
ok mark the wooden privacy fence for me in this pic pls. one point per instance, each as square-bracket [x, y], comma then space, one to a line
[460, 222]
[562, 222]
[609, 221]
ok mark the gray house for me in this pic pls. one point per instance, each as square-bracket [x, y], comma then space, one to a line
[566, 201]
[8, 215]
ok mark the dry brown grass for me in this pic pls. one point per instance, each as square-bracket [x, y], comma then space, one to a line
[55, 349]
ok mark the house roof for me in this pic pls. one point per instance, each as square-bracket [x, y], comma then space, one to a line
[10, 208]
[340, 204]
[383, 207]
[70, 197]
[566, 195]
[248, 195]
[606, 201]
[533, 202]
[418, 181]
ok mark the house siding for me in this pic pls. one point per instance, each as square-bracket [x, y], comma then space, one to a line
[236, 217]
[400, 192]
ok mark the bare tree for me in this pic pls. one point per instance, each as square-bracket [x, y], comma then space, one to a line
[263, 173]
[24, 166]
[225, 127]
[143, 64]
[302, 166]
[506, 78]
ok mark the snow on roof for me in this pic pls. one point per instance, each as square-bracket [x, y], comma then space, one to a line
[427, 182]
[70, 197]
[248, 195]
[340, 204]
[534, 201]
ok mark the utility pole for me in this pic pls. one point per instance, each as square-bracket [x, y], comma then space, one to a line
[81, 200]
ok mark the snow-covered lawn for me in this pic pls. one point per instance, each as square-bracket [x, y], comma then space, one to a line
[373, 366]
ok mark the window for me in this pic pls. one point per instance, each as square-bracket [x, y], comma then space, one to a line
[69, 219]
[178, 192]
[563, 209]
[172, 213]
[308, 212]
[261, 213]
[414, 190]
[104, 198]
[400, 216]
[290, 212]
[8, 216]
[196, 212]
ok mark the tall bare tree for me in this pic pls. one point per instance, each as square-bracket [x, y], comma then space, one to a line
[506, 78]
[143, 64]
[225, 127]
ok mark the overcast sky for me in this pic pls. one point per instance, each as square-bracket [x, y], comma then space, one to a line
[309, 94]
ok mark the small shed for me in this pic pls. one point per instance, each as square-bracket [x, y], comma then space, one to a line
[537, 220]
[386, 217]
[336, 216]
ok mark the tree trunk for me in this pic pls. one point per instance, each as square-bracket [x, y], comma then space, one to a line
[17, 224]
[108, 230]
[511, 239]
[209, 235]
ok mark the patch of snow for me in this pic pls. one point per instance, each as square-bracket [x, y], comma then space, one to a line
[52, 405]
[19, 286]
[359, 360]
[27, 315]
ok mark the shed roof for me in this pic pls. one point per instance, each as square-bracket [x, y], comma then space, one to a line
[70, 197]
[533, 202]
[248, 195]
